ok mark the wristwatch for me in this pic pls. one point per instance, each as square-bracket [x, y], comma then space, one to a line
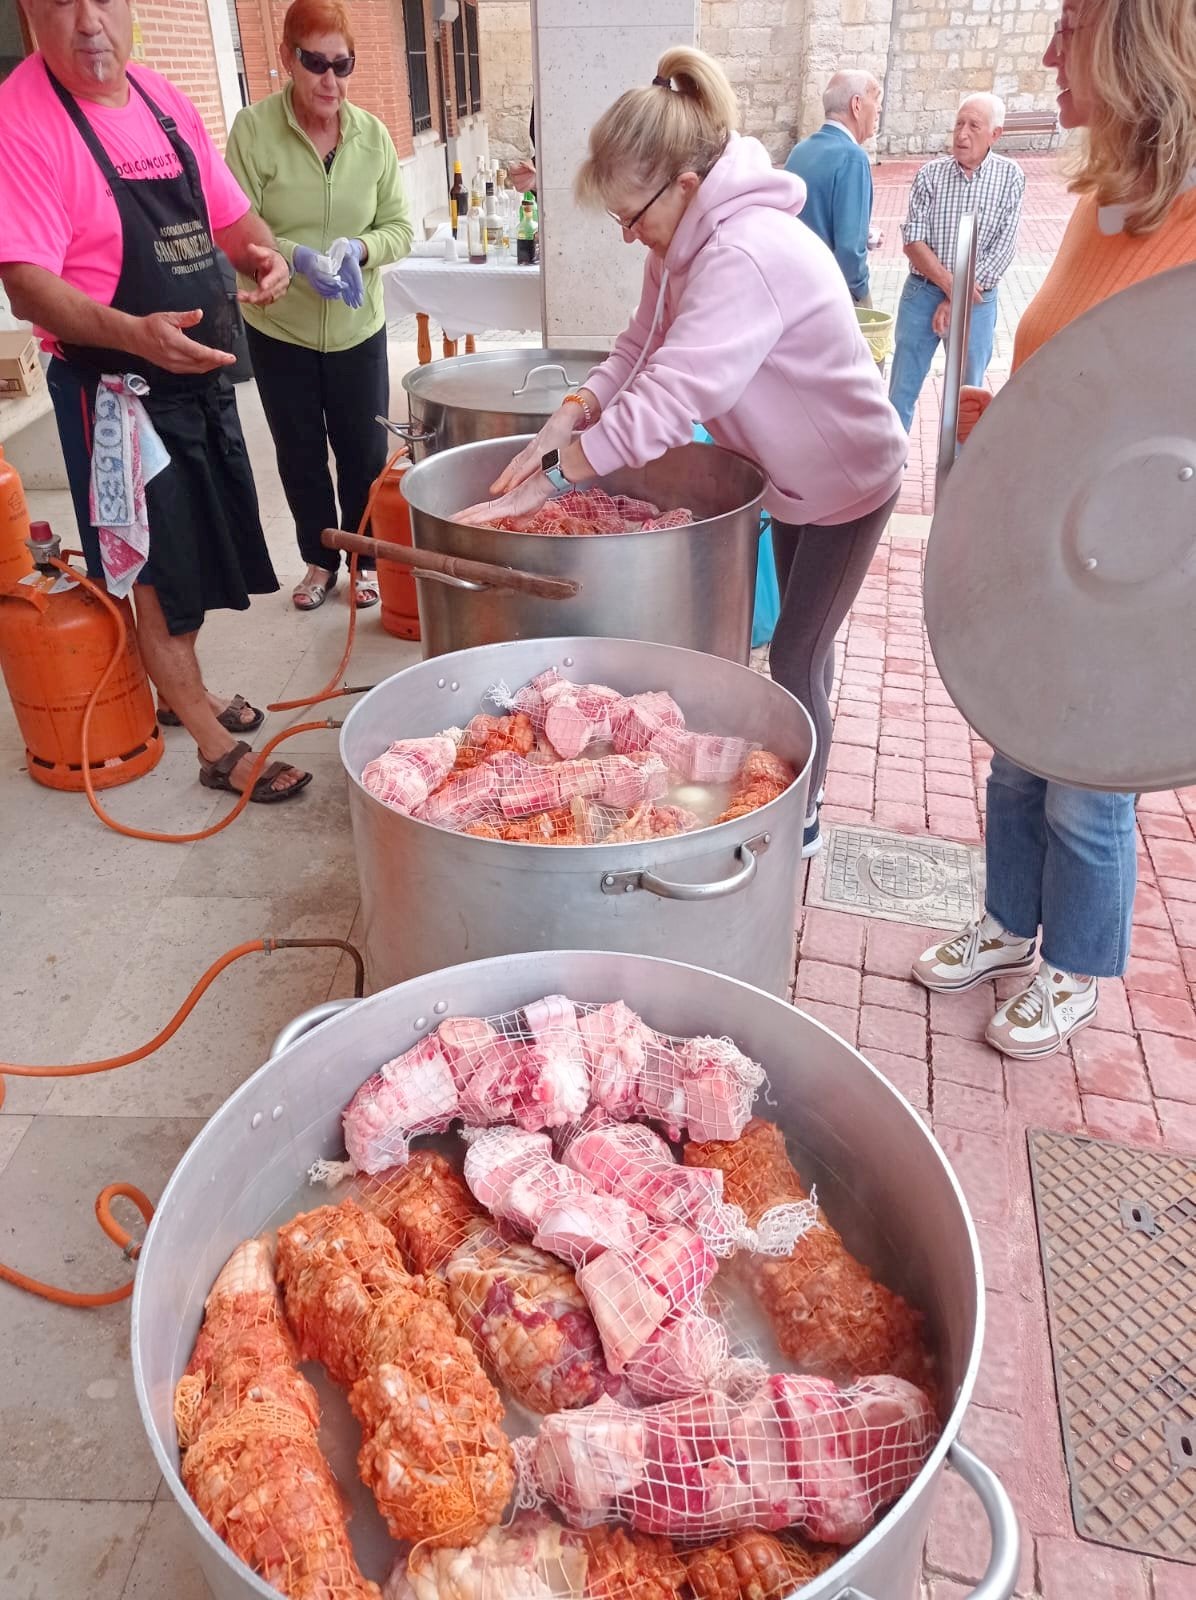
[551, 466]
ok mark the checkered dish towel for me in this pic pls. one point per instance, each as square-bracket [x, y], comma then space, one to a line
[126, 454]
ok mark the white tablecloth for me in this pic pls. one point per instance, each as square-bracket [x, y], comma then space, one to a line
[460, 298]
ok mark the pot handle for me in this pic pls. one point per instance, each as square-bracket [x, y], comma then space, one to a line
[551, 366]
[305, 1022]
[407, 431]
[453, 583]
[747, 854]
[1000, 1577]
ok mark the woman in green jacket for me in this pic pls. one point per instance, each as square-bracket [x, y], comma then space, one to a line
[325, 176]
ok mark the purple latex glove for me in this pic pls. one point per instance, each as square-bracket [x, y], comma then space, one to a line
[351, 284]
[308, 264]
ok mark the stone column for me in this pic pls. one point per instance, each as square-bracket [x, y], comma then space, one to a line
[585, 54]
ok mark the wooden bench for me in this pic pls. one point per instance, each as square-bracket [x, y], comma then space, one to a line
[1030, 122]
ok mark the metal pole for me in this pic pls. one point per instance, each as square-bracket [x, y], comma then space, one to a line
[963, 283]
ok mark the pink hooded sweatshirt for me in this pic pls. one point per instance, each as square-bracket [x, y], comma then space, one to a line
[748, 327]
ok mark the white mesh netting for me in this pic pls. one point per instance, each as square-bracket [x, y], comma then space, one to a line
[801, 1453]
[576, 764]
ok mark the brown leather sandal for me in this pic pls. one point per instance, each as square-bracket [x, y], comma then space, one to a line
[231, 718]
[218, 775]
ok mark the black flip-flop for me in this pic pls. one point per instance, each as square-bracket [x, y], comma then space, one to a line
[229, 718]
[217, 775]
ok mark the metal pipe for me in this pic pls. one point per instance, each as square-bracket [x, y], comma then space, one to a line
[963, 284]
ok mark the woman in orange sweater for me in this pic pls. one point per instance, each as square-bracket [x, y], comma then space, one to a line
[1058, 858]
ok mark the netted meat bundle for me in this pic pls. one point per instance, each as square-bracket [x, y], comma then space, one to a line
[528, 1318]
[754, 1566]
[761, 779]
[433, 1450]
[427, 1208]
[251, 1460]
[593, 511]
[545, 1067]
[532, 1558]
[828, 1313]
[800, 1453]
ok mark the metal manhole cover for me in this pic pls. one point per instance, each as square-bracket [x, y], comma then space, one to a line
[891, 875]
[1117, 1226]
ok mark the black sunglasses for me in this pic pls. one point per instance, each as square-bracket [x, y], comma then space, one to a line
[341, 66]
[628, 226]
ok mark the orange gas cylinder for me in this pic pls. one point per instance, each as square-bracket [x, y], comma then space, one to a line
[391, 520]
[55, 641]
[15, 560]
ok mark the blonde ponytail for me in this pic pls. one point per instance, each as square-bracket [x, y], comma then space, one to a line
[679, 123]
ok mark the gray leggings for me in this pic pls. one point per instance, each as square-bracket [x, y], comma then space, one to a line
[819, 573]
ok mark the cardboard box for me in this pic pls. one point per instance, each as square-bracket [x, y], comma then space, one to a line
[20, 370]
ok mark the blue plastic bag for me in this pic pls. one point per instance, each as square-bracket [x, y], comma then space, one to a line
[768, 594]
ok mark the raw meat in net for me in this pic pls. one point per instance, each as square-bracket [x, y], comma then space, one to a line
[754, 1565]
[487, 736]
[624, 1565]
[578, 715]
[404, 775]
[514, 1175]
[580, 1227]
[828, 1313]
[632, 1294]
[433, 1449]
[701, 757]
[413, 1094]
[761, 779]
[686, 1355]
[528, 1319]
[247, 1420]
[629, 1160]
[637, 719]
[593, 511]
[532, 1558]
[800, 1453]
[427, 1208]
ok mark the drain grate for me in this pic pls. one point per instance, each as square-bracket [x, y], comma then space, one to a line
[902, 879]
[1117, 1227]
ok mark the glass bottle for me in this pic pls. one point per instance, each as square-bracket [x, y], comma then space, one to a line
[475, 228]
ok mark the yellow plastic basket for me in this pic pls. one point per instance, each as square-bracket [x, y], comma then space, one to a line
[877, 328]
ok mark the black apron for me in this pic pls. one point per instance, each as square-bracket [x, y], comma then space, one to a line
[207, 549]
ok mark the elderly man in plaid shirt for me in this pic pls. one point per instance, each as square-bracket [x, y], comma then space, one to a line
[972, 178]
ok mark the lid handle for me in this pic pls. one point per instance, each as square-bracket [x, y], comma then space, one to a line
[552, 366]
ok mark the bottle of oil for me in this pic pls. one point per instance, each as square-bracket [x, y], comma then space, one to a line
[458, 201]
[15, 560]
[475, 229]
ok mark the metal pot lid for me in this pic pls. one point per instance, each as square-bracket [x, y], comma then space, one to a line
[519, 382]
[1060, 586]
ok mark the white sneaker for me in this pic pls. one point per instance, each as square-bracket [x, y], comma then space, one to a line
[981, 950]
[1043, 1017]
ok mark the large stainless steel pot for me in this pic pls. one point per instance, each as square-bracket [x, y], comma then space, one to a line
[692, 586]
[878, 1170]
[723, 897]
[490, 395]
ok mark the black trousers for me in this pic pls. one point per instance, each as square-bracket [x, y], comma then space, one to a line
[819, 573]
[313, 400]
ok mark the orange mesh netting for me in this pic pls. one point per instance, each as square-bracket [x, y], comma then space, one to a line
[433, 1451]
[828, 1312]
[622, 1565]
[589, 511]
[427, 1208]
[247, 1421]
[753, 1566]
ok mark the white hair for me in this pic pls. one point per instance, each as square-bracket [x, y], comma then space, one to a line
[843, 88]
[992, 103]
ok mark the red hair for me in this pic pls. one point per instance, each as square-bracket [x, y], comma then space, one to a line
[307, 17]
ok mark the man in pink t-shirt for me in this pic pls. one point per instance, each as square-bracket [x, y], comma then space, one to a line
[113, 200]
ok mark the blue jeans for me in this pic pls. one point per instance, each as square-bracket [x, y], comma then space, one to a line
[1064, 859]
[916, 343]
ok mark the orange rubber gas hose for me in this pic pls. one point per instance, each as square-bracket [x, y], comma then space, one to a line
[330, 690]
[67, 1297]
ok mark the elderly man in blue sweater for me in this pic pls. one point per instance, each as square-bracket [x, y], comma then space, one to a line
[838, 175]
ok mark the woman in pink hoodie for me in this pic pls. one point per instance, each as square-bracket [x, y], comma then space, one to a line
[746, 325]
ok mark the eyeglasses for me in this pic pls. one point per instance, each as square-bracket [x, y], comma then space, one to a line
[340, 66]
[628, 226]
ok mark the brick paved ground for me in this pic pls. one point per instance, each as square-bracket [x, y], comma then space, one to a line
[1044, 216]
[903, 758]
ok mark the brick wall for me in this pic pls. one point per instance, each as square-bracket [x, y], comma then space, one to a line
[928, 54]
[506, 57]
[379, 82]
[176, 41]
[944, 50]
